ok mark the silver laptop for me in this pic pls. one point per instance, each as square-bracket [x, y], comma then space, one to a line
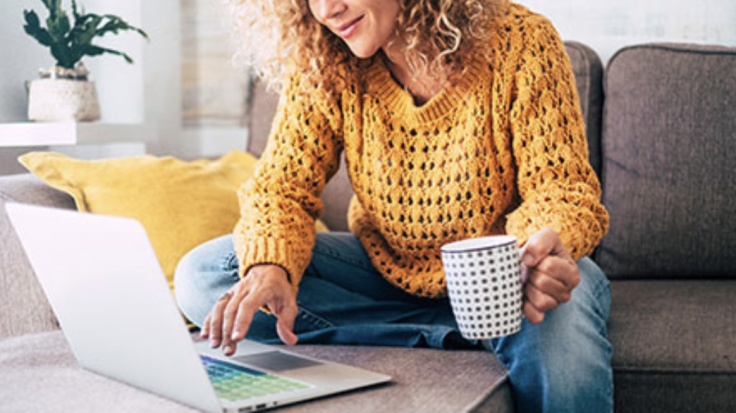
[111, 298]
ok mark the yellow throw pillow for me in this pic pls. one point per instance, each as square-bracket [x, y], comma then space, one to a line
[180, 204]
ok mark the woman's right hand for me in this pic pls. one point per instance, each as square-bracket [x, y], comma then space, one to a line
[264, 285]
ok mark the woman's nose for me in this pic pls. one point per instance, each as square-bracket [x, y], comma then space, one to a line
[328, 9]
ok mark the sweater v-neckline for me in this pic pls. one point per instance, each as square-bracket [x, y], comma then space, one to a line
[401, 101]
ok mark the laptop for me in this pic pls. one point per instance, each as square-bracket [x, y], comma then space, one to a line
[107, 289]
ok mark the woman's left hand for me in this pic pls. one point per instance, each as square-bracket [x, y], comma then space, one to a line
[550, 274]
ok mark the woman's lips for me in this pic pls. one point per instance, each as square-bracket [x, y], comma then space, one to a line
[347, 30]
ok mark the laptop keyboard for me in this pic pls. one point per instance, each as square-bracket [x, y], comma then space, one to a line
[234, 382]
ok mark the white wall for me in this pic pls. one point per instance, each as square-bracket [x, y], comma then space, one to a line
[162, 22]
[214, 91]
[608, 25]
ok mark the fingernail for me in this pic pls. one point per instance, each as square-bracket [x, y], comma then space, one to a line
[214, 343]
[235, 335]
[228, 350]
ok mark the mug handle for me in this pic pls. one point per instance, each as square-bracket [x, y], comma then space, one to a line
[521, 254]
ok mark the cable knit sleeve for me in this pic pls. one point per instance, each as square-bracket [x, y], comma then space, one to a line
[280, 203]
[557, 185]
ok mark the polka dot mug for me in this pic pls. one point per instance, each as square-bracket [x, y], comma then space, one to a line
[484, 283]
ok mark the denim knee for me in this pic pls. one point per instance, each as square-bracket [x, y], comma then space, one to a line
[564, 363]
[597, 285]
[204, 274]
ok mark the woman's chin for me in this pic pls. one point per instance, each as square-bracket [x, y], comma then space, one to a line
[363, 52]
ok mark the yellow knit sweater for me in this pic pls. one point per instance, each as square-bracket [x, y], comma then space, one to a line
[502, 151]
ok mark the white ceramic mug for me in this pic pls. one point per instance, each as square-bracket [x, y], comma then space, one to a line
[484, 284]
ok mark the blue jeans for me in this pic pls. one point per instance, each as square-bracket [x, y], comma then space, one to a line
[560, 365]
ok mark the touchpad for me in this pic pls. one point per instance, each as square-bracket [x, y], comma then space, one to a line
[277, 361]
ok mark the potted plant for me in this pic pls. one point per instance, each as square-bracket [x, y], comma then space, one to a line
[64, 92]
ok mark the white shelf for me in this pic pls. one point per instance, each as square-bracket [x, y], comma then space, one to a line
[25, 134]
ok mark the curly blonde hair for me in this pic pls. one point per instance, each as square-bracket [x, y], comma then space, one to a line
[276, 37]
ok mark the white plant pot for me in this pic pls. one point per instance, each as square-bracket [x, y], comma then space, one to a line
[55, 100]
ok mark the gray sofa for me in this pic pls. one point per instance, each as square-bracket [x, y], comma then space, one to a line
[663, 142]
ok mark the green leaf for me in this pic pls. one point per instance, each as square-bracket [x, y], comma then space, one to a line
[54, 6]
[31, 19]
[116, 24]
[58, 26]
[75, 13]
[82, 19]
[127, 26]
[111, 26]
[42, 36]
[62, 55]
[63, 22]
[49, 5]
[89, 31]
[80, 25]
[34, 29]
[57, 6]
[97, 50]
[77, 51]
[94, 51]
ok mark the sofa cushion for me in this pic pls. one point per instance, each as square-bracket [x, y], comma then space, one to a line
[674, 344]
[669, 135]
[23, 307]
[40, 375]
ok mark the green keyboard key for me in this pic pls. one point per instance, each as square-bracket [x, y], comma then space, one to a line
[234, 382]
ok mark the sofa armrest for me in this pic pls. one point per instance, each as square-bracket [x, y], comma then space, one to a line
[23, 306]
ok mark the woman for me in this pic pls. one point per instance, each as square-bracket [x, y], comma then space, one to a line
[458, 119]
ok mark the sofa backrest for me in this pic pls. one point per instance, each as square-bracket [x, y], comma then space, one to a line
[669, 159]
[588, 70]
[338, 191]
